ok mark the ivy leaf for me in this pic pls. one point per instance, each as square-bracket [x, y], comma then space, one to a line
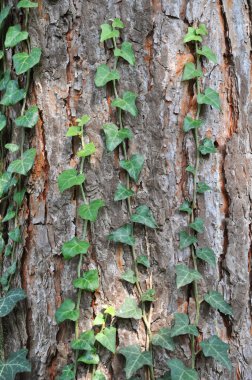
[90, 211]
[167, 376]
[191, 35]
[148, 295]
[123, 235]
[15, 235]
[5, 80]
[115, 136]
[67, 373]
[85, 341]
[8, 250]
[126, 52]
[104, 75]
[129, 309]
[7, 273]
[89, 357]
[133, 166]
[9, 215]
[19, 196]
[83, 120]
[110, 310]
[99, 320]
[143, 260]
[180, 372]
[89, 281]
[197, 225]
[69, 178]
[185, 240]
[74, 247]
[182, 326]
[1, 54]
[108, 32]
[12, 147]
[207, 147]
[27, 4]
[87, 151]
[163, 339]
[190, 123]
[5, 183]
[67, 311]
[107, 338]
[98, 375]
[24, 61]
[16, 363]
[202, 30]
[206, 254]
[122, 192]
[2, 121]
[191, 169]
[186, 207]
[29, 119]
[216, 300]
[4, 14]
[217, 349]
[14, 35]
[13, 94]
[186, 275]
[129, 276]
[127, 103]
[210, 97]
[143, 215]
[9, 301]
[135, 359]
[22, 166]
[117, 23]
[74, 131]
[190, 72]
[208, 53]
[202, 187]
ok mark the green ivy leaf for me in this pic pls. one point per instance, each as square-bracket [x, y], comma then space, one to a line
[148, 295]
[67, 311]
[22, 166]
[127, 103]
[5, 183]
[163, 339]
[180, 372]
[74, 247]
[9, 301]
[186, 207]
[191, 35]
[185, 240]
[16, 363]
[107, 338]
[122, 192]
[14, 35]
[186, 275]
[15, 235]
[216, 300]
[182, 326]
[69, 178]
[108, 32]
[99, 320]
[89, 357]
[2, 121]
[117, 23]
[10, 214]
[110, 310]
[90, 211]
[27, 4]
[83, 120]
[210, 97]
[98, 375]
[197, 225]
[202, 187]
[207, 147]
[19, 196]
[7, 273]
[126, 52]
[208, 53]
[4, 14]
[190, 123]
[115, 136]
[123, 235]
[167, 376]
[85, 341]
[206, 254]
[67, 373]
[1, 54]
[143, 260]
[87, 151]
[74, 131]
[29, 119]
[89, 281]
[129, 309]
[135, 359]
[129, 276]
[5, 80]
[12, 147]
[133, 166]
[24, 61]
[13, 94]
[217, 349]
[104, 75]
[191, 169]
[8, 250]
[143, 215]
[190, 72]
[202, 30]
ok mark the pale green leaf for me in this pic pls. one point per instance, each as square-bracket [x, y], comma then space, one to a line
[67, 311]
[191, 35]
[148, 295]
[217, 349]
[210, 97]
[107, 338]
[129, 276]
[186, 207]
[67, 373]
[190, 72]
[4, 14]
[163, 339]
[197, 225]
[122, 192]
[115, 136]
[108, 32]
[14, 35]
[135, 359]
[2, 121]
[69, 178]
[110, 310]
[89, 281]
[143, 260]
[85, 341]
[191, 169]
[10, 214]
[207, 147]
[83, 120]
[208, 53]
[190, 123]
[16, 363]
[202, 187]
[74, 131]
[117, 23]
[180, 372]
[129, 309]
[29, 119]
[24, 61]
[126, 52]
[12, 147]
[90, 211]
[182, 326]
[9, 301]
[74, 247]
[127, 103]
[201, 30]
[185, 240]
[143, 215]
[216, 300]
[89, 357]
[99, 320]
[186, 275]
[27, 4]
[104, 75]
[13, 94]
[15, 235]
[133, 166]
[87, 150]
[206, 254]
[123, 235]
[23, 165]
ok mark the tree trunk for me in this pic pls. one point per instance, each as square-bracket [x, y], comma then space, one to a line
[63, 87]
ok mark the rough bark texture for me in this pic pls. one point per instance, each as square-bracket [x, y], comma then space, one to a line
[68, 33]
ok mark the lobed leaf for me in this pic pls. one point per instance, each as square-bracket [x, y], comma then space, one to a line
[13, 94]
[19, 196]
[24, 61]
[2, 121]
[90, 211]
[201, 30]
[104, 75]
[98, 375]
[85, 341]
[126, 52]
[135, 359]
[207, 147]
[208, 53]
[164, 339]
[122, 192]
[89, 357]
[148, 295]
[202, 187]
[67, 373]
[83, 120]
[69, 178]
[74, 131]
[190, 123]
[180, 372]
[190, 72]
[5, 182]
[23, 165]
[12, 147]
[216, 300]
[127, 103]
[4, 14]
[74, 247]
[29, 119]
[129, 276]
[5, 80]
[143, 215]
[123, 235]
[206, 254]
[129, 309]
[185, 240]
[15, 235]
[107, 338]
[186, 275]
[117, 23]
[197, 225]
[16, 363]
[99, 320]
[14, 35]
[217, 349]
[186, 207]
[191, 169]
[182, 326]
[143, 260]
[192, 36]
[67, 311]
[209, 97]
[89, 281]
[9, 301]
[108, 32]
[115, 136]
[88, 150]
[133, 166]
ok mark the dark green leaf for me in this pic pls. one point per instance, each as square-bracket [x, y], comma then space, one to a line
[192, 36]
[143, 260]
[180, 372]
[16, 363]
[10, 214]
[163, 339]
[9, 301]
[2, 121]
[12, 147]
[115, 136]
[190, 123]
[67, 311]
[143, 215]
[123, 235]
[166, 376]
[74, 247]
[129, 276]
[210, 97]
[67, 373]
[24, 61]
[202, 30]
[202, 187]
[13, 94]
[186, 207]
[186, 275]
[19, 196]
[133, 166]
[2, 243]
[182, 326]
[206, 254]
[69, 178]
[90, 211]
[15, 235]
[5, 80]
[190, 72]
[87, 150]
[4, 14]
[148, 295]
[208, 53]
[107, 338]
[23, 165]
[197, 225]
[126, 52]
[108, 32]
[1, 54]
[127, 103]
[104, 75]
[27, 4]
[217, 349]
[5, 183]
[7, 273]
[117, 23]
[122, 192]
[29, 119]
[135, 359]
[129, 309]
[89, 357]
[85, 341]
[185, 240]
[191, 169]
[216, 300]
[207, 147]
[14, 35]
[89, 281]
[8, 250]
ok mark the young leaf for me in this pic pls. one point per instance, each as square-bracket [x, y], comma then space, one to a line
[143, 215]
[216, 300]
[117, 23]
[69, 178]
[89, 357]
[12, 147]
[135, 359]
[89, 281]
[16, 363]
[202, 187]
[83, 120]
[191, 169]
[67, 373]
[143, 260]
[185, 240]
[123, 235]
[115, 136]
[98, 375]
[90, 211]
[186, 207]
[108, 32]
[9, 301]
[99, 320]
[14, 35]
[2, 121]
[208, 53]
[127, 103]
[126, 52]
[22, 166]
[4, 14]
[67, 311]
[110, 310]
[133, 166]
[107, 338]
[87, 151]
[163, 339]
[180, 372]
[186, 275]
[13, 94]
[197, 225]
[74, 131]
[24, 61]
[129, 309]
[29, 119]
[190, 72]
[148, 295]
[206, 254]
[207, 147]
[210, 97]
[202, 30]
[217, 349]
[122, 192]
[191, 35]
[74, 247]
[104, 75]
[85, 341]
[129, 276]
[27, 4]
[15, 235]
[182, 326]
[190, 123]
